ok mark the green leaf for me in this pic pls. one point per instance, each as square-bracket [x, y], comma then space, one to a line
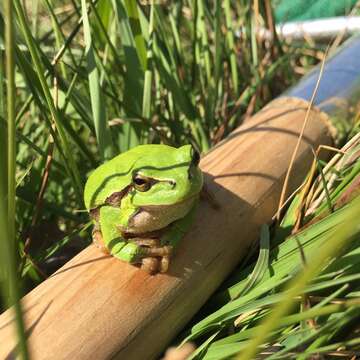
[133, 15]
[261, 265]
[97, 102]
[133, 81]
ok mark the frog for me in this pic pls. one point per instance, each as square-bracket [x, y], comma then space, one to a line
[142, 203]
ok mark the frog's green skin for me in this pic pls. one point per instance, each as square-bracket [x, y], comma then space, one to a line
[141, 191]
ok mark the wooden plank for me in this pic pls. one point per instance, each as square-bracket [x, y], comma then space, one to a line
[97, 307]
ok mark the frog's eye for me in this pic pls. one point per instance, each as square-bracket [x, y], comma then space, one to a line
[195, 157]
[141, 183]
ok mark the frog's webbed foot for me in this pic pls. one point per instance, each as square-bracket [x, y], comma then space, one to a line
[154, 257]
[161, 254]
[153, 265]
[150, 265]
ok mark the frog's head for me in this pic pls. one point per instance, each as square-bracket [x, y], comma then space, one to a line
[164, 187]
[167, 177]
[154, 185]
[155, 175]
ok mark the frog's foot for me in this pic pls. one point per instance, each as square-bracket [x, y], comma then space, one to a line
[145, 242]
[164, 264]
[150, 265]
[98, 240]
[153, 265]
[154, 257]
[158, 257]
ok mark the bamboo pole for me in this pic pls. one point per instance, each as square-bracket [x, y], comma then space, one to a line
[97, 307]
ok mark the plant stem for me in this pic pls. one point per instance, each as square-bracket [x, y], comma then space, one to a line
[9, 240]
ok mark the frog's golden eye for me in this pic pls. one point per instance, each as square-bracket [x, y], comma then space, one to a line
[141, 183]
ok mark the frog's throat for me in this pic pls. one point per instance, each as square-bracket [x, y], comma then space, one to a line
[147, 218]
[156, 217]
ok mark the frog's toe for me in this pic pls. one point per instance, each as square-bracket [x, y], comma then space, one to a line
[156, 259]
[164, 264]
[145, 242]
[157, 251]
[150, 265]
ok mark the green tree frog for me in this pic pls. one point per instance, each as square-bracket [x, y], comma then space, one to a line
[142, 201]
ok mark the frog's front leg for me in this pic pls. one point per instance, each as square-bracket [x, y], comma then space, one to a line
[153, 254]
[162, 252]
[135, 250]
[111, 236]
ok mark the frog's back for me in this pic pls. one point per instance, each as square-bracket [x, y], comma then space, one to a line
[116, 174]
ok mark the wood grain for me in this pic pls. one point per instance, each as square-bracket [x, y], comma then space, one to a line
[97, 307]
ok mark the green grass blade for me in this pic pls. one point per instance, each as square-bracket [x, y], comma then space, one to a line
[203, 346]
[323, 180]
[204, 43]
[346, 181]
[2, 105]
[261, 265]
[11, 285]
[133, 81]
[107, 40]
[231, 46]
[135, 74]
[58, 34]
[97, 102]
[146, 107]
[133, 14]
